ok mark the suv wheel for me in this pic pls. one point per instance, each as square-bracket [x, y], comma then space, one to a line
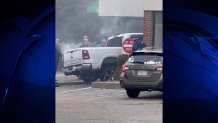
[107, 73]
[88, 78]
[132, 93]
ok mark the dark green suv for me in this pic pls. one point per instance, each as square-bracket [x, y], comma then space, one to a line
[142, 72]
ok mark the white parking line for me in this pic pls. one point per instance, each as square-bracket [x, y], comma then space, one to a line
[75, 90]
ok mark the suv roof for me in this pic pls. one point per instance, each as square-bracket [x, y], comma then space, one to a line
[150, 50]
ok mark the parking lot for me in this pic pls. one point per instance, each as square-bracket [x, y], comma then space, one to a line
[77, 102]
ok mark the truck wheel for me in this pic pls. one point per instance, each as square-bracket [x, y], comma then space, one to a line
[107, 73]
[88, 78]
[132, 93]
[66, 74]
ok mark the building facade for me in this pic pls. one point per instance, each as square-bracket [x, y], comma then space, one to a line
[150, 10]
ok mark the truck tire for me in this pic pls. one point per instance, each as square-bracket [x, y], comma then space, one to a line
[132, 93]
[88, 77]
[107, 73]
[66, 74]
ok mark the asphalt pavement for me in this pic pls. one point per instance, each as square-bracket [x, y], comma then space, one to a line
[81, 103]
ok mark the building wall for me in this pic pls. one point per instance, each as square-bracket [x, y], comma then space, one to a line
[153, 28]
[148, 27]
[131, 8]
[137, 8]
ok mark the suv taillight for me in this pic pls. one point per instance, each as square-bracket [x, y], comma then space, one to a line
[85, 54]
[159, 69]
[125, 68]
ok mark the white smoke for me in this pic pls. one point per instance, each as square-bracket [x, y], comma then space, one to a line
[68, 46]
[114, 25]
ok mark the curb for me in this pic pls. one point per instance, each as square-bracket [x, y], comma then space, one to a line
[69, 83]
[106, 85]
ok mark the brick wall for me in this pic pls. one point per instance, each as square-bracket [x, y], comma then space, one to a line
[148, 27]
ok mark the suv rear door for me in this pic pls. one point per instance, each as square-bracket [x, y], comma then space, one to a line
[143, 66]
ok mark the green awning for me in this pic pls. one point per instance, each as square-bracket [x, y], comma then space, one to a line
[93, 8]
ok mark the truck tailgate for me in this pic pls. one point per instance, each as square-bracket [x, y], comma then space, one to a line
[72, 57]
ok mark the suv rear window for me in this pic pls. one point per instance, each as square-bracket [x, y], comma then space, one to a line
[146, 58]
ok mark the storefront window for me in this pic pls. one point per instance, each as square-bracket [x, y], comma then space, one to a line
[158, 29]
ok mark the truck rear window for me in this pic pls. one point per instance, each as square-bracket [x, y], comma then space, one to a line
[115, 42]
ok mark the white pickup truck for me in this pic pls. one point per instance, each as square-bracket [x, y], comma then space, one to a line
[91, 63]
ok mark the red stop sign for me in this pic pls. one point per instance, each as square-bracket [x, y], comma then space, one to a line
[127, 45]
